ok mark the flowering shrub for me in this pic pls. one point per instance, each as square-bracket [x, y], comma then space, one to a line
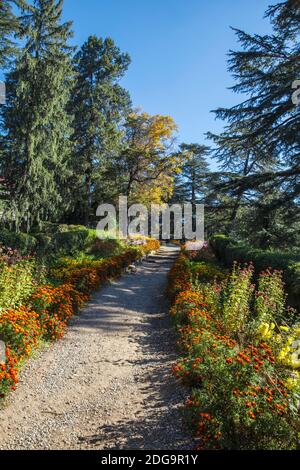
[179, 277]
[55, 306]
[245, 387]
[203, 254]
[21, 331]
[205, 272]
[17, 278]
[270, 298]
[9, 256]
[236, 298]
[101, 248]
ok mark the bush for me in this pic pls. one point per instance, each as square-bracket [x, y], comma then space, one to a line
[17, 278]
[179, 277]
[67, 240]
[236, 297]
[205, 272]
[105, 248]
[55, 306]
[20, 329]
[22, 242]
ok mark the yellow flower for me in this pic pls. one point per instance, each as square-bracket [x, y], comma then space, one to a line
[265, 330]
[283, 353]
[278, 338]
[291, 383]
[284, 328]
[295, 360]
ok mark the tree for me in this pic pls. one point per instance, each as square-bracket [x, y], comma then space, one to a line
[145, 170]
[99, 105]
[36, 146]
[263, 130]
[191, 183]
[8, 25]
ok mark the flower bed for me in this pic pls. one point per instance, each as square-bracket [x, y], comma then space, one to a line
[237, 356]
[50, 307]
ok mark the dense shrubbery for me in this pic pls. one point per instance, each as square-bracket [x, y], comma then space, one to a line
[63, 239]
[54, 239]
[229, 251]
[100, 248]
[18, 278]
[32, 309]
[22, 242]
[238, 358]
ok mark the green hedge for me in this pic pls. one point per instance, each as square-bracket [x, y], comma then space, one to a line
[21, 241]
[68, 240]
[228, 250]
[61, 239]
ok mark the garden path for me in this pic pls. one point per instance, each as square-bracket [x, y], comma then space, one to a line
[108, 383]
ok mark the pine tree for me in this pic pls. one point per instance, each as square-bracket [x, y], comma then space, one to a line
[36, 145]
[265, 69]
[262, 135]
[191, 183]
[8, 25]
[99, 105]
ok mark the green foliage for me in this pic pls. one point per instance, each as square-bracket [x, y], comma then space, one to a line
[190, 183]
[229, 251]
[8, 25]
[258, 152]
[99, 105]
[203, 271]
[236, 296]
[23, 242]
[65, 240]
[270, 298]
[36, 148]
[104, 248]
[17, 282]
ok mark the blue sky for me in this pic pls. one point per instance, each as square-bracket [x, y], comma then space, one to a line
[178, 50]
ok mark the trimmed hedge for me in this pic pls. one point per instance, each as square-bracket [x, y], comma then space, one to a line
[64, 239]
[55, 239]
[23, 242]
[228, 251]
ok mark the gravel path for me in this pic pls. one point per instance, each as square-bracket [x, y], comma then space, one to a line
[108, 383]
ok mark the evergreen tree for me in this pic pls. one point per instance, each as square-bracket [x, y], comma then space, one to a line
[8, 25]
[99, 105]
[263, 131]
[191, 183]
[36, 147]
[265, 70]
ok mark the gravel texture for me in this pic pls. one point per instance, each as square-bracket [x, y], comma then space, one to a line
[108, 383]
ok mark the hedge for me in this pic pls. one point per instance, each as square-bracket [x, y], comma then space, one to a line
[23, 242]
[55, 239]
